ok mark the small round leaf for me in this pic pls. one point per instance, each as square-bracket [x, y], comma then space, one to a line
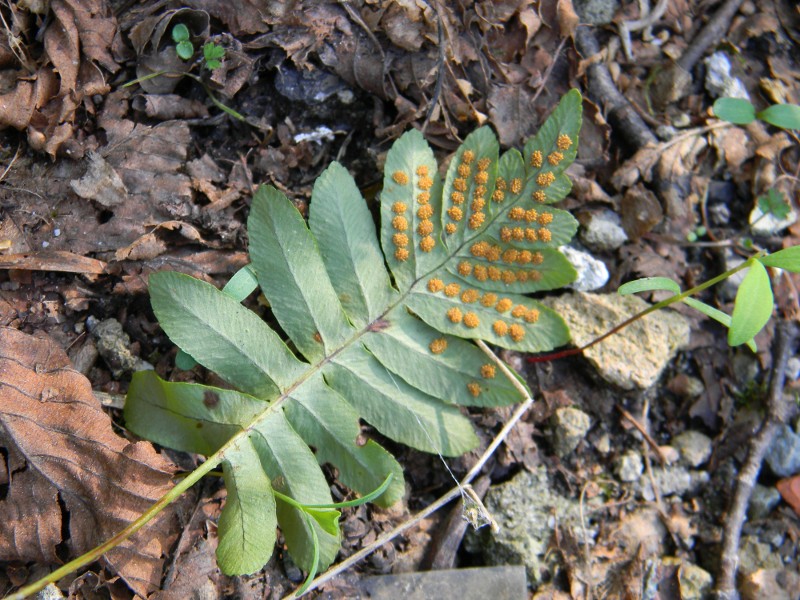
[185, 50]
[180, 33]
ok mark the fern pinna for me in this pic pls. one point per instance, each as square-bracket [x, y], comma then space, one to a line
[386, 345]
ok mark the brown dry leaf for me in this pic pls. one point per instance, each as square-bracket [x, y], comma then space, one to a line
[74, 482]
[53, 260]
[77, 41]
[790, 491]
[732, 143]
[100, 183]
[511, 112]
[151, 245]
[568, 19]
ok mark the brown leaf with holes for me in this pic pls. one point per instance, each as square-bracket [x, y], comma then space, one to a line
[73, 482]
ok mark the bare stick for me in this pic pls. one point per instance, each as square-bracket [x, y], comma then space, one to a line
[786, 332]
[449, 496]
[709, 35]
[627, 123]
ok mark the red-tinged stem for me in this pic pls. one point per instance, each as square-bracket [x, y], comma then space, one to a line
[658, 306]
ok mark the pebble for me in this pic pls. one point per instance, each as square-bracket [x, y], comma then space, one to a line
[767, 224]
[592, 273]
[783, 456]
[569, 428]
[671, 481]
[603, 231]
[775, 584]
[629, 466]
[636, 356]
[719, 81]
[763, 500]
[695, 447]
[694, 582]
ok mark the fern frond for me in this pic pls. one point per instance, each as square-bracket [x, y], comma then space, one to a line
[385, 344]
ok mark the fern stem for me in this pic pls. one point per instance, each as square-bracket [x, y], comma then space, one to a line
[451, 495]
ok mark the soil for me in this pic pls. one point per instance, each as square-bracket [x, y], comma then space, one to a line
[104, 184]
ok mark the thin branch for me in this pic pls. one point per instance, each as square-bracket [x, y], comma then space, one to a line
[786, 333]
[627, 123]
[709, 35]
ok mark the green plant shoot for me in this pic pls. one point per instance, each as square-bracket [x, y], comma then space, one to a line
[754, 300]
[183, 45]
[212, 54]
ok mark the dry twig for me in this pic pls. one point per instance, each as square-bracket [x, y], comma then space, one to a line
[623, 117]
[786, 333]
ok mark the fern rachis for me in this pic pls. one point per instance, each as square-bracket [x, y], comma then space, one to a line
[382, 344]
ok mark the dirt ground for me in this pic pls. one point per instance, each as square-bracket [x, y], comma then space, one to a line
[104, 183]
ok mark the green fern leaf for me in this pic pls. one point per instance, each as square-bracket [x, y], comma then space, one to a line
[378, 326]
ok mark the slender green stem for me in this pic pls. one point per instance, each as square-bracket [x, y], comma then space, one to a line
[658, 306]
[144, 519]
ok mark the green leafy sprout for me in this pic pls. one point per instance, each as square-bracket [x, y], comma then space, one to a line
[754, 302]
[184, 48]
[776, 203]
[742, 112]
[212, 53]
[183, 45]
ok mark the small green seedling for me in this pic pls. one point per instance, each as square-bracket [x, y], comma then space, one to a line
[742, 112]
[775, 203]
[183, 45]
[184, 48]
[752, 306]
[212, 53]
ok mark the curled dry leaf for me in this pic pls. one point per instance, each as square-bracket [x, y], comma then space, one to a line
[77, 41]
[72, 481]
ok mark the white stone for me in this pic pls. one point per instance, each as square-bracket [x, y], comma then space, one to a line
[592, 273]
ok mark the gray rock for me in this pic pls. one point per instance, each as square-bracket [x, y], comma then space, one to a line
[695, 447]
[114, 345]
[763, 500]
[569, 428]
[793, 368]
[51, 592]
[719, 81]
[783, 456]
[596, 12]
[592, 273]
[755, 555]
[526, 508]
[635, 357]
[498, 583]
[603, 231]
[694, 582]
[671, 481]
[767, 224]
[603, 444]
[775, 584]
[629, 466]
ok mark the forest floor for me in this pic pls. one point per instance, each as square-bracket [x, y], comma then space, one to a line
[104, 183]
